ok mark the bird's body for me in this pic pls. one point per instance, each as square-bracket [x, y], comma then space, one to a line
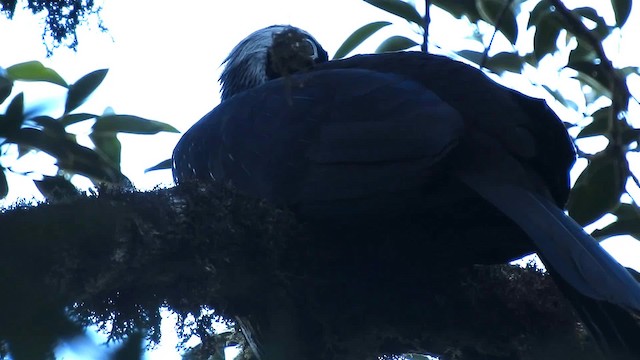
[428, 149]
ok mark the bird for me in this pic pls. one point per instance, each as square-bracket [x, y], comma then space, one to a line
[412, 137]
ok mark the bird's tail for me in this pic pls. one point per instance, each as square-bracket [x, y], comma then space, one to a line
[604, 294]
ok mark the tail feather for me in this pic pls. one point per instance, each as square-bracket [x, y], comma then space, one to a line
[604, 294]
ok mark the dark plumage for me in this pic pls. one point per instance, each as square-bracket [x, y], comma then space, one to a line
[416, 141]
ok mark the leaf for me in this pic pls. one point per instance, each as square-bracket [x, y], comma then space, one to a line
[69, 119]
[6, 85]
[546, 36]
[56, 187]
[598, 189]
[80, 91]
[48, 124]
[560, 98]
[599, 125]
[165, 164]
[130, 124]
[4, 185]
[359, 36]
[396, 43]
[505, 61]
[539, 12]
[35, 71]
[131, 349]
[13, 117]
[622, 10]
[602, 30]
[500, 14]
[459, 8]
[582, 52]
[399, 8]
[109, 146]
[628, 223]
[473, 56]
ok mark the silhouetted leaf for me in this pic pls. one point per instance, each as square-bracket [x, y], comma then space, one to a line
[621, 9]
[396, 43]
[56, 187]
[471, 55]
[108, 145]
[505, 61]
[459, 8]
[130, 124]
[80, 91]
[48, 124]
[165, 164]
[500, 14]
[6, 85]
[399, 8]
[546, 36]
[540, 11]
[598, 189]
[599, 125]
[628, 223]
[13, 117]
[35, 71]
[4, 186]
[602, 30]
[583, 52]
[560, 98]
[69, 119]
[358, 36]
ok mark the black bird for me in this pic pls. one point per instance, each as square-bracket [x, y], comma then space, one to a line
[413, 136]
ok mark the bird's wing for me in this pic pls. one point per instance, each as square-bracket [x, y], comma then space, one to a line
[326, 136]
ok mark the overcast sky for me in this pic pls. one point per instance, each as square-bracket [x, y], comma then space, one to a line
[164, 59]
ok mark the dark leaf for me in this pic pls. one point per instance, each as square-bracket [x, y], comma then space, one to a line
[165, 164]
[358, 36]
[396, 43]
[628, 223]
[598, 189]
[108, 145]
[583, 52]
[546, 36]
[4, 186]
[629, 70]
[473, 56]
[14, 116]
[599, 125]
[621, 9]
[459, 8]
[501, 15]
[35, 71]
[69, 119]
[48, 124]
[130, 124]
[602, 30]
[399, 8]
[56, 188]
[596, 76]
[542, 10]
[80, 91]
[505, 61]
[6, 85]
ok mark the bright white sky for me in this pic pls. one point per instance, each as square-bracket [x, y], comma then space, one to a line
[164, 59]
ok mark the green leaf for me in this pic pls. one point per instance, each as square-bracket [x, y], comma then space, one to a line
[628, 223]
[599, 125]
[459, 8]
[80, 91]
[582, 52]
[560, 98]
[501, 15]
[399, 8]
[546, 36]
[359, 36]
[602, 30]
[165, 164]
[109, 146]
[471, 55]
[598, 189]
[542, 10]
[396, 43]
[505, 61]
[4, 185]
[622, 10]
[69, 119]
[130, 124]
[13, 117]
[35, 71]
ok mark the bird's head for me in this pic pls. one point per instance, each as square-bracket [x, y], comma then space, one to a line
[267, 54]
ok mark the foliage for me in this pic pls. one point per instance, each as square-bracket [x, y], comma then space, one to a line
[30, 131]
[62, 18]
[599, 189]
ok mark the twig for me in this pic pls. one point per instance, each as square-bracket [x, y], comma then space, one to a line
[427, 20]
[485, 55]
